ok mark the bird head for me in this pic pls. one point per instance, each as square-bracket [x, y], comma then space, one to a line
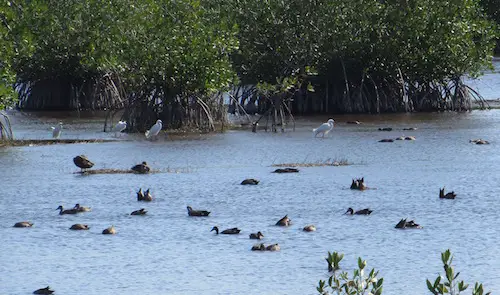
[350, 211]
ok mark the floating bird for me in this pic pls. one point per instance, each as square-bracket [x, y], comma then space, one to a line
[400, 138]
[402, 224]
[273, 247]
[82, 208]
[257, 236]
[285, 221]
[119, 127]
[82, 162]
[192, 212]
[147, 197]
[410, 138]
[353, 122]
[358, 184]
[109, 231]
[154, 130]
[139, 212]
[410, 128]
[324, 128]
[286, 170]
[309, 227]
[229, 231]
[385, 129]
[259, 247]
[386, 140]
[366, 211]
[45, 290]
[79, 226]
[250, 181]
[68, 211]
[56, 131]
[142, 168]
[23, 224]
[479, 141]
[451, 195]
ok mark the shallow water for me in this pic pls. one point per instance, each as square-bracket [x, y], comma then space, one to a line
[166, 252]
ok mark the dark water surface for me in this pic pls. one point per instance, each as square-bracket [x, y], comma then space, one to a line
[166, 252]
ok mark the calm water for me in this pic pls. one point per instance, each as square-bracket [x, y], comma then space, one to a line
[166, 252]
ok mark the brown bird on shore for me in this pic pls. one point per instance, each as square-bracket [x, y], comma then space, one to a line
[141, 211]
[45, 290]
[79, 226]
[285, 221]
[23, 224]
[451, 195]
[68, 211]
[82, 162]
[142, 168]
[192, 212]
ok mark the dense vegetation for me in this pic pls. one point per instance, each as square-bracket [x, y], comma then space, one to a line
[171, 59]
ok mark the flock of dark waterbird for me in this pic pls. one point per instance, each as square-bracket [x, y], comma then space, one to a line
[84, 164]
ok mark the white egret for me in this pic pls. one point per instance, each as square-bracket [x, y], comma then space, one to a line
[324, 128]
[119, 127]
[154, 130]
[56, 131]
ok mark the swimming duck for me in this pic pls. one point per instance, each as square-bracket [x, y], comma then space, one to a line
[192, 212]
[386, 140]
[359, 212]
[385, 129]
[45, 290]
[82, 208]
[142, 168]
[23, 224]
[139, 212]
[229, 231]
[109, 231]
[402, 224]
[82, 162]
[410, 128]
[250, 181]
[285, 221]
[451, 195]
[68, 211]
[479, 141]
[257, 236]
[410, 138]
[400, 138]
[286, 170]
[147, 197]
[259, 247]
[353, 122]
[358, 183]
[273, 247]
[309, 227]
[79, 226]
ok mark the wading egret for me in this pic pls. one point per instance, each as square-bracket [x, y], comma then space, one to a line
[119, 127]
[154, 130]
[56, 131]
[324, 128]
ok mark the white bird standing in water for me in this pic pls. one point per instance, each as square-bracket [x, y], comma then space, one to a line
[154, 130]
[119, 127]
[324, 128]
[56, 131]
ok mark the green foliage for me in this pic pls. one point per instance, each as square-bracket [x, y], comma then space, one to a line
[450, 284]
[342, 284]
